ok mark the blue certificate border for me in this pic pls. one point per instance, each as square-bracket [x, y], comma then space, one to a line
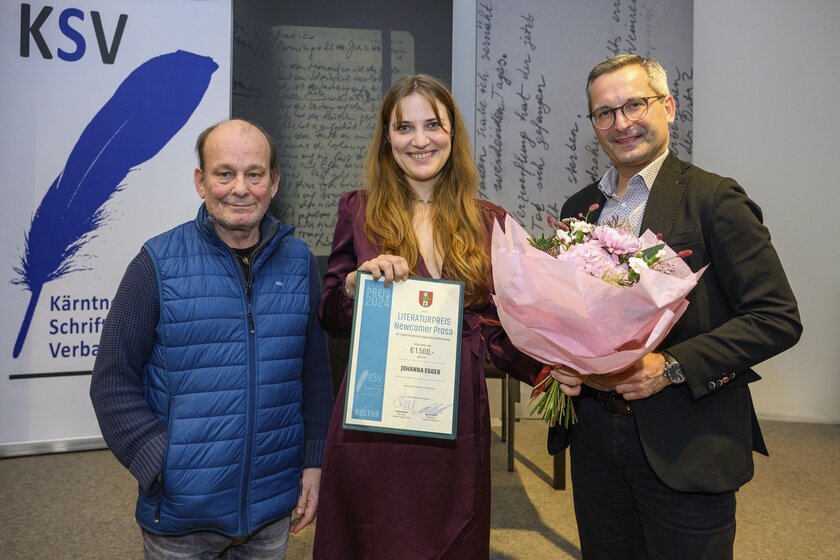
[358, 332]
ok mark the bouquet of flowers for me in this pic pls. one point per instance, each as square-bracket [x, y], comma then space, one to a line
[592, 298]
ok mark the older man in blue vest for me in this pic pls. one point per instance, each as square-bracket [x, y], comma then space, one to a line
[211, 384]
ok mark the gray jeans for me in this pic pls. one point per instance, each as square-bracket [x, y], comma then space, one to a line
[267, 544]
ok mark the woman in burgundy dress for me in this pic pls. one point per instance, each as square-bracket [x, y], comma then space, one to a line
[394, 497]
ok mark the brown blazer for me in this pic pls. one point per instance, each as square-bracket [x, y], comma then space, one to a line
[699, 436]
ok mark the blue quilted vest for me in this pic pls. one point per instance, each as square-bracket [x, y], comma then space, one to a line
[225, 378]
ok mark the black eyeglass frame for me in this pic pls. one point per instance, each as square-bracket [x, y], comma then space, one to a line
[613, 110]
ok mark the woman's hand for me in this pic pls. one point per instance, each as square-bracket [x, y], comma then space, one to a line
[390, 267]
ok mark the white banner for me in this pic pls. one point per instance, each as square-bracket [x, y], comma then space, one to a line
[100, 106]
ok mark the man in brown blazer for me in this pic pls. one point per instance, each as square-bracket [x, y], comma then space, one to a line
[656, 460]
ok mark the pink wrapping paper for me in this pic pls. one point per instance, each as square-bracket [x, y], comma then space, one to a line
[560, 315]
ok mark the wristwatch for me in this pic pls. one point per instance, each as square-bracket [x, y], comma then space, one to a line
[673, 371]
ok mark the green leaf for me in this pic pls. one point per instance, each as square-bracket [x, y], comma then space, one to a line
[542, 243]
[650, 252]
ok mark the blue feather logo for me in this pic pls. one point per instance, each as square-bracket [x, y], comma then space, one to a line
[151, 105]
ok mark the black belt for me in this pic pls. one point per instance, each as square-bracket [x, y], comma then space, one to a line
[611, 402]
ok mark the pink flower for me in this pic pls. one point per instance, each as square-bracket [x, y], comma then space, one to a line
[591, 325]
[616, 240]
[590, 258]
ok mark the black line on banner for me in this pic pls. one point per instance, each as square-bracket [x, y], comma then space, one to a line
[53, 374]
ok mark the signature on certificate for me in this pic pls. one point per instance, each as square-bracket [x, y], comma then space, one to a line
[411, 406]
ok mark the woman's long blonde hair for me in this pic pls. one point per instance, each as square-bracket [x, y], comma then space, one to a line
[459, 231]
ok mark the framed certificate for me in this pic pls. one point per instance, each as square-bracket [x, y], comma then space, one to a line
[405, 357]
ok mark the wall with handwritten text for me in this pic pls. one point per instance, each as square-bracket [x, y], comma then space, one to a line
[313, 73]
[533, 142]
[326, 86]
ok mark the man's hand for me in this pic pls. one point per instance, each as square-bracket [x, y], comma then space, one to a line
[307, 505]
[569, 380]
[642, 379]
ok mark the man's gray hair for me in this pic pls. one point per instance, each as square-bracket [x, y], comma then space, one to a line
[657, 78]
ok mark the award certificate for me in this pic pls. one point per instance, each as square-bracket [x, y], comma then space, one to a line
[405, 357]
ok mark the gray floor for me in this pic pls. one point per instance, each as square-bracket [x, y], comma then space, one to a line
[80, 505]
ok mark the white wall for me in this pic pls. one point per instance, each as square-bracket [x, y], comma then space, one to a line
[766, 84]
[766, 109]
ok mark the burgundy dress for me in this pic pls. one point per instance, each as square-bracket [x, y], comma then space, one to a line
[389, 497]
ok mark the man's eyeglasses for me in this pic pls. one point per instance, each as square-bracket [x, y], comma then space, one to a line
[635, 109]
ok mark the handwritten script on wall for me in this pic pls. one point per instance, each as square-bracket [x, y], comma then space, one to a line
[534, 144]
[324, 88]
